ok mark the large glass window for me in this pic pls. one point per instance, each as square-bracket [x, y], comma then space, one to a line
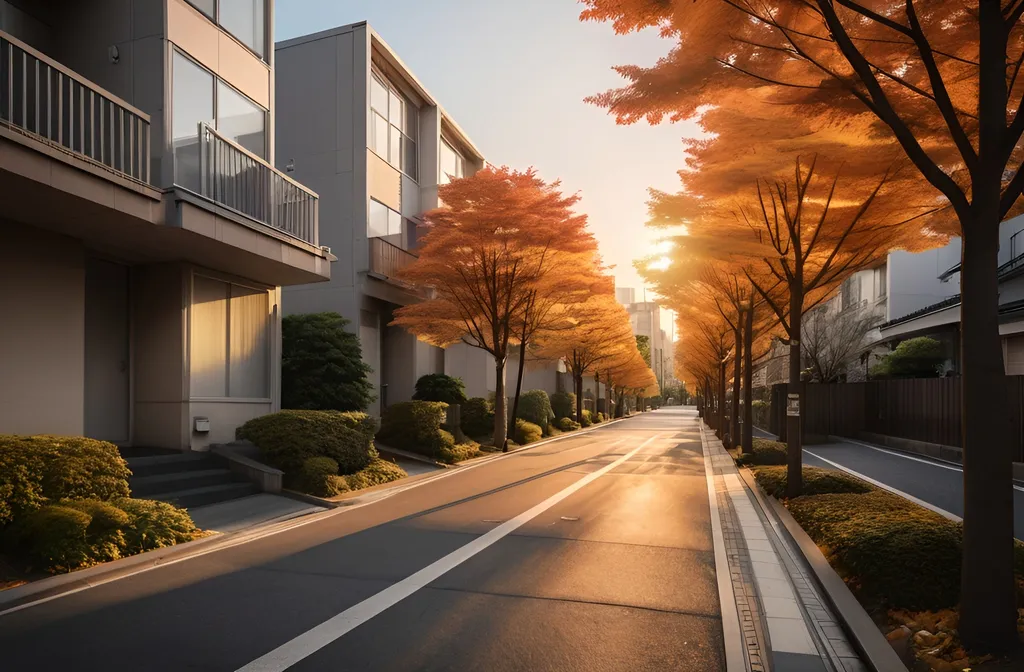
[394, 122]
[192, 104]
[453, 165]
[383, 221]
[245, 19]
[241, 120]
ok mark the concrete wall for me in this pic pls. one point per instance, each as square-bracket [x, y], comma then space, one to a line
[42, 367]
[914, 283]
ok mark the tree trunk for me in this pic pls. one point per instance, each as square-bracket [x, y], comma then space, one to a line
[519, 390]
[794, 431]
[721, 401]
[578, 384]
[734, 426]
[748, 382]
[500, 437]
[597, 394]
[987, 606]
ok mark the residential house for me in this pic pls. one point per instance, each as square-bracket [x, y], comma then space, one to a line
[144, 233]
[360, 128]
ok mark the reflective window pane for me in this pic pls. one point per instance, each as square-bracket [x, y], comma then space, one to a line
[192, 98]
[241, 120]
[379, 96]
[409, 158]
[377, 222]
[396, 113]
[394, 223]
[205, 6]
[245, 20]
[379, 130]
[412, 122]
[395, 155]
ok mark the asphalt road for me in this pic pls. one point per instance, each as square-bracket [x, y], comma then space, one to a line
[938, 484]
[590, 553]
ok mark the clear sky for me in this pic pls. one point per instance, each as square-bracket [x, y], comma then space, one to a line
[514, 75]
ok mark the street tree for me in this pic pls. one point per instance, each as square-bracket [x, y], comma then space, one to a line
[832, 338]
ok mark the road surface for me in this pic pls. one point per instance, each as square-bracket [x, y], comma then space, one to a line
[589, 553]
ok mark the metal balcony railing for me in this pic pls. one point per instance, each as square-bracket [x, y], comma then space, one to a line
[234, 177]
[42, 98]
[387, 259]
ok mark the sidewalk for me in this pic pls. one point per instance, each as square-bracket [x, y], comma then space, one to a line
[786, 625]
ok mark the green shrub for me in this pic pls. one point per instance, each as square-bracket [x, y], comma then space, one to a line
[587, 419]
[477, 417]
[765, 452]
[416, 426]
[460, 452]
[105, 532]
[377, 472]
[153, 524]
[568, 425]
[535, 408]
[36, 470]
[286, 439]
[886, 547]
[317, 477]
[563, 405]
[527, 432]
[817, 481]
[52, 538]
[322, 366]
[920, 357]
[600, 418]
[760, 410]
[440, 387]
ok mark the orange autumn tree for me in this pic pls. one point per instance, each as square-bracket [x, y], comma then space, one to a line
[600, 332]
[942, 81]
[486, 252]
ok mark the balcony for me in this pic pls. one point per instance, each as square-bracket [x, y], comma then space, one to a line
[46, 101]
[387, 260]
[237, 179]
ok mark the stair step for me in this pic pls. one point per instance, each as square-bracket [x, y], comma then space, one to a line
[210, 494]
[167, 464]
[146, 486]
[132, 452]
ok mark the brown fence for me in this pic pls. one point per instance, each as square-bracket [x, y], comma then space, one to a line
[926, 409]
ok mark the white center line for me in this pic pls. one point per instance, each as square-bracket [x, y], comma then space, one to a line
[311, 641]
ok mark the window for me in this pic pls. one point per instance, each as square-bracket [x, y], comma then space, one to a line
[394, 122]
[241, 120]
[198, 96]
[851, 292]
[383, 221]
[244, 19]
[192, 104]
[881, 280]
[230, 349]
[453, 165]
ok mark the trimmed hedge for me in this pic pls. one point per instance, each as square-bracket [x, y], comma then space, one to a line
[416, 426]
[817, 481]
[377, 472]
[477, 417]
[535, 408]
[39, 470]
[153, 524]
[460, 452]
[440, 387]
[587, 419]
[317, 477]
[600, 418]
[527, 432]
[765, 452]
[563, 405]
[287, 439]
[568, 425]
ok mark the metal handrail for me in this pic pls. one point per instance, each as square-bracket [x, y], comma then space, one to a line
[236, 178]
[45, 99]
[387, 259]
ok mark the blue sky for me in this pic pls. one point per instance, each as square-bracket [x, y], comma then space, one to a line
[514, 75]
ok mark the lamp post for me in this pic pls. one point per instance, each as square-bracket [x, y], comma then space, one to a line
[747, 440]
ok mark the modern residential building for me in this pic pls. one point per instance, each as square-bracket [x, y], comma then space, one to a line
[356, 124]
[645, 317]
[144, 233]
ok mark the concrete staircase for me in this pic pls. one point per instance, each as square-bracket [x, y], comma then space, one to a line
[183, 479]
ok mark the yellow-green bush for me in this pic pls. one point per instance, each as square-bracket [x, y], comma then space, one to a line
[416, 426]
[563, 405]
[317, 477]
[377, 472]
[287, 439]
[765, 452]
[816, 481]
[477, 418]
[588, 418]
[535, 407]
[568, 425]
[154, 524]
[527, 432]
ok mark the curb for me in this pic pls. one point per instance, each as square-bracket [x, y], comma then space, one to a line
[872, 646]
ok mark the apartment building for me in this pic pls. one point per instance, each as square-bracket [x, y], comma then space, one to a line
[356, 125]
[144, 233]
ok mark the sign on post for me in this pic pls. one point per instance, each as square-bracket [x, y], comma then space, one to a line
[793, 405]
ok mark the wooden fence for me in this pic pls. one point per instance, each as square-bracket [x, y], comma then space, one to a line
[924, 409]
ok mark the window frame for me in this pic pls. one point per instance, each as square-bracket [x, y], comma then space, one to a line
[215, 19]
[458, 155]
[390, 212]
[403, 135]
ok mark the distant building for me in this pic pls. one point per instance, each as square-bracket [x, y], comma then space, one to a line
[625, 295]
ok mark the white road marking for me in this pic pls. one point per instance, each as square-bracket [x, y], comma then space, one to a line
[934, 463]
[735, 660]
[920, 502]
[332, 629]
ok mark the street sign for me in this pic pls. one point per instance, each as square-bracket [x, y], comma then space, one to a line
[793, 405]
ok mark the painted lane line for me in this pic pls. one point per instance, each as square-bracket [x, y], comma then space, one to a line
[934, 463]
[311, 641]
[904, 495]
[245, 537]
[735, 659]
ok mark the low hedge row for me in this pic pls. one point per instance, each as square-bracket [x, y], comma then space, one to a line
[477, 418]
[287, 439]
[568, 424]
[764, 451]
[527, 432]
[319, 476]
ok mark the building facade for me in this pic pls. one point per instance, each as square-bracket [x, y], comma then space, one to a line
[144, 233]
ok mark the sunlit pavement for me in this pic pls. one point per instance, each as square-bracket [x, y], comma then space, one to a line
[589, 553]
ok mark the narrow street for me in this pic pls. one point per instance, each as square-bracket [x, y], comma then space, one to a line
[593, 552]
